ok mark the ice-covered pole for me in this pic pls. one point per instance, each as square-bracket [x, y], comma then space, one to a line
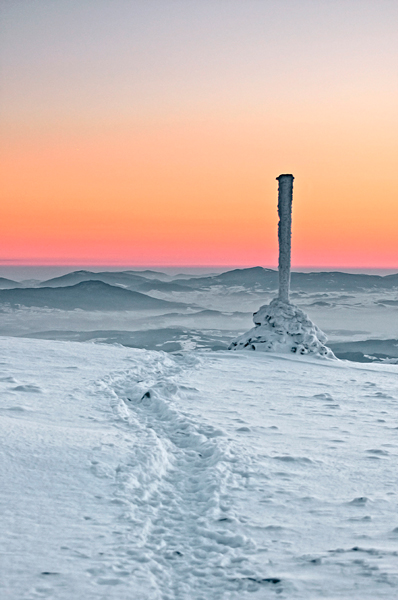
[280, 326]
[285, 197]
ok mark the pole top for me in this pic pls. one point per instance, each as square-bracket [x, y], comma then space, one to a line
[285, 175]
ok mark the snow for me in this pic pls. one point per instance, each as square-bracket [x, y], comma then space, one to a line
[227, 475]
[283, 327]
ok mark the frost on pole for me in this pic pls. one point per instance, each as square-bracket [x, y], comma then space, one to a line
[281, 326]
[285, 197]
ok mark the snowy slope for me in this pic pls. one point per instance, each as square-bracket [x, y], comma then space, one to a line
[130, 474]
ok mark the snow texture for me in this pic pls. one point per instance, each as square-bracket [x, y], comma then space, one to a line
[283, 327]
[138, 475]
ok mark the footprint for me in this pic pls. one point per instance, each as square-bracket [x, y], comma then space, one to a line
[32, 388]
[378, 452]
[361, 501]
[108, 581]
[324, 396]
[19, 408]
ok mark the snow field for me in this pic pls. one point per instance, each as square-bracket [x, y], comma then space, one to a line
[136, 474]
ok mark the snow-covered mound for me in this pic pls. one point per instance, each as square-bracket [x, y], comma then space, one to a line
[282, 327]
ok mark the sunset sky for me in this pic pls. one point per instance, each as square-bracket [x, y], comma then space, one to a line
[151, 132]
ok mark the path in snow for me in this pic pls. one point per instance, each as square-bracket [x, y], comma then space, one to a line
[185, 528]
[134, 474]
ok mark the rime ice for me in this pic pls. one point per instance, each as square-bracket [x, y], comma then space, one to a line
[285, 198]
[281, 326]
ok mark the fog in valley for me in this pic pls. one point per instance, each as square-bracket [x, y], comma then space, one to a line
[176, 312]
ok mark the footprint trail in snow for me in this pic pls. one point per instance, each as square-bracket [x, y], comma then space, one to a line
[177, 486]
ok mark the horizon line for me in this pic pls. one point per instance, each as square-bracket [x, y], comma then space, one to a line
[188, 266]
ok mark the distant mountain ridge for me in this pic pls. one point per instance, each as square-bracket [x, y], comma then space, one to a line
[267, 279]
[86, 295]
[338, 281]
[366, 350]
[8, 283]
[110, 277]
[253, 278]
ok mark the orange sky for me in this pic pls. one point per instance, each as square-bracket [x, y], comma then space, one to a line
[169, 155]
